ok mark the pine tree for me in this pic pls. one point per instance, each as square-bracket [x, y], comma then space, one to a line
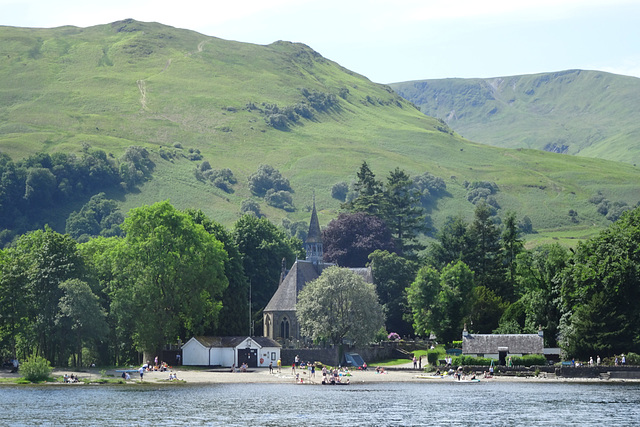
[370, 195]
[403, 214]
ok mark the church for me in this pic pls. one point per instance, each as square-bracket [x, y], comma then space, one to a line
[280, 321]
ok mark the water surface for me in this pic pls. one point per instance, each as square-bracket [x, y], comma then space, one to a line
[374, 404]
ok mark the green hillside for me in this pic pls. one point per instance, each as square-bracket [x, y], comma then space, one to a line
[175, 91]
[585, 113]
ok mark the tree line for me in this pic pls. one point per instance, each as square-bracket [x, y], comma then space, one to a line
[479, 273]
[32, 187]
[169, 274]
[172, 275]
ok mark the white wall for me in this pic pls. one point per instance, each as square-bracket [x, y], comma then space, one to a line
[265, 353]
[194, 353]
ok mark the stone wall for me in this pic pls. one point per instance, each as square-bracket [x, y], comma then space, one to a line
[330, 355]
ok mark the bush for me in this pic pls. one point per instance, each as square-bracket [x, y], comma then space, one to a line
[432, 357]
[529, 360]
[36, 369]
[632, 359]
[471, 360]
[339, 191]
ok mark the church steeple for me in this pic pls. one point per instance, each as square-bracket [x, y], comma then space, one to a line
[313, 243]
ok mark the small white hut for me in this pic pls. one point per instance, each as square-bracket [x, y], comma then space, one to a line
[256, 352]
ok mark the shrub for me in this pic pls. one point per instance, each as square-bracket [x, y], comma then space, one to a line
[632, 359]
[36, 369]
[471, 360]
[529, 360]
[252, 206]
[266, 178]
[339, 191]
[432, 357]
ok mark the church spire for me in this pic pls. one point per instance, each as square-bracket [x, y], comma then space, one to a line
[313, 243]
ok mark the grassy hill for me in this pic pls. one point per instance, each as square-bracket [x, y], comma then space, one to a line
[176, 91]
[585, 113]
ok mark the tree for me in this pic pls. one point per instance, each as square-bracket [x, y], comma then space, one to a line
[99, 216]
[174, 275]
[349, 239]
[234, 316]
[267, 178]
[441, 301]
[486, 311]
[538, 275]
[47, 259]
[80, 309]
[512, 245]
[392, 275]
[600, 290]
[338, 305]
[403, 214]
[13, 300]
[453, 243]
[484, 258]
[262, 246]
[369, 193]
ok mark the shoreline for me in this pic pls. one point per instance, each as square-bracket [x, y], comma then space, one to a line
[262, 376]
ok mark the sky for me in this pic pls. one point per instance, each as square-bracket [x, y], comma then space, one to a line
[391, 41]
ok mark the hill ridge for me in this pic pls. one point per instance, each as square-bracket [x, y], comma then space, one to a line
[578, 112]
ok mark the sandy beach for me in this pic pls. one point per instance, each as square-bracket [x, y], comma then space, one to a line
[262, 375]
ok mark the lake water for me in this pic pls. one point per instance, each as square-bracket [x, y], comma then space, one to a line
[374, 404]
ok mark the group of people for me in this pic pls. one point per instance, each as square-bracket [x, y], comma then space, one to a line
[70, 378]
[335, 376]
[417, 362]
[12, 365]
[624, 360]
[597, 362]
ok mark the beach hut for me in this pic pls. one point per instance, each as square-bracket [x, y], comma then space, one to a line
[227, 351]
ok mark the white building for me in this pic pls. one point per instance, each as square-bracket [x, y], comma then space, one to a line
[228, 351]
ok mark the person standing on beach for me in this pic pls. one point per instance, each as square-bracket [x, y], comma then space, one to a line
[141, 370]
[293, 367]
[279, 365]
[271, 367]
[297, 360]
[415, 362]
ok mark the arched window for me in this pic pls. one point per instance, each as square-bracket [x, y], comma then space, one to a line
[284, 328]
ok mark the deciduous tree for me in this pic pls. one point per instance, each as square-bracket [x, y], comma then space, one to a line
[349, 239]
[337, 305]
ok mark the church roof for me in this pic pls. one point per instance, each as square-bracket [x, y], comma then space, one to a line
[515, 343]
[314, 235]
[303, 272]
[286, 296]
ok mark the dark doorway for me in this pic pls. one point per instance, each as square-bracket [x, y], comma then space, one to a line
[502, 355]
[248, 356]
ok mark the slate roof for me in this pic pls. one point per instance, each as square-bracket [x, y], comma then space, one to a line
[303, 272]
[286, 296]
[489, 343]
[225, 342]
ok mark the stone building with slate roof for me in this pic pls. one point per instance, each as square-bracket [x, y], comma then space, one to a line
[500, 346]
[280, 321]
